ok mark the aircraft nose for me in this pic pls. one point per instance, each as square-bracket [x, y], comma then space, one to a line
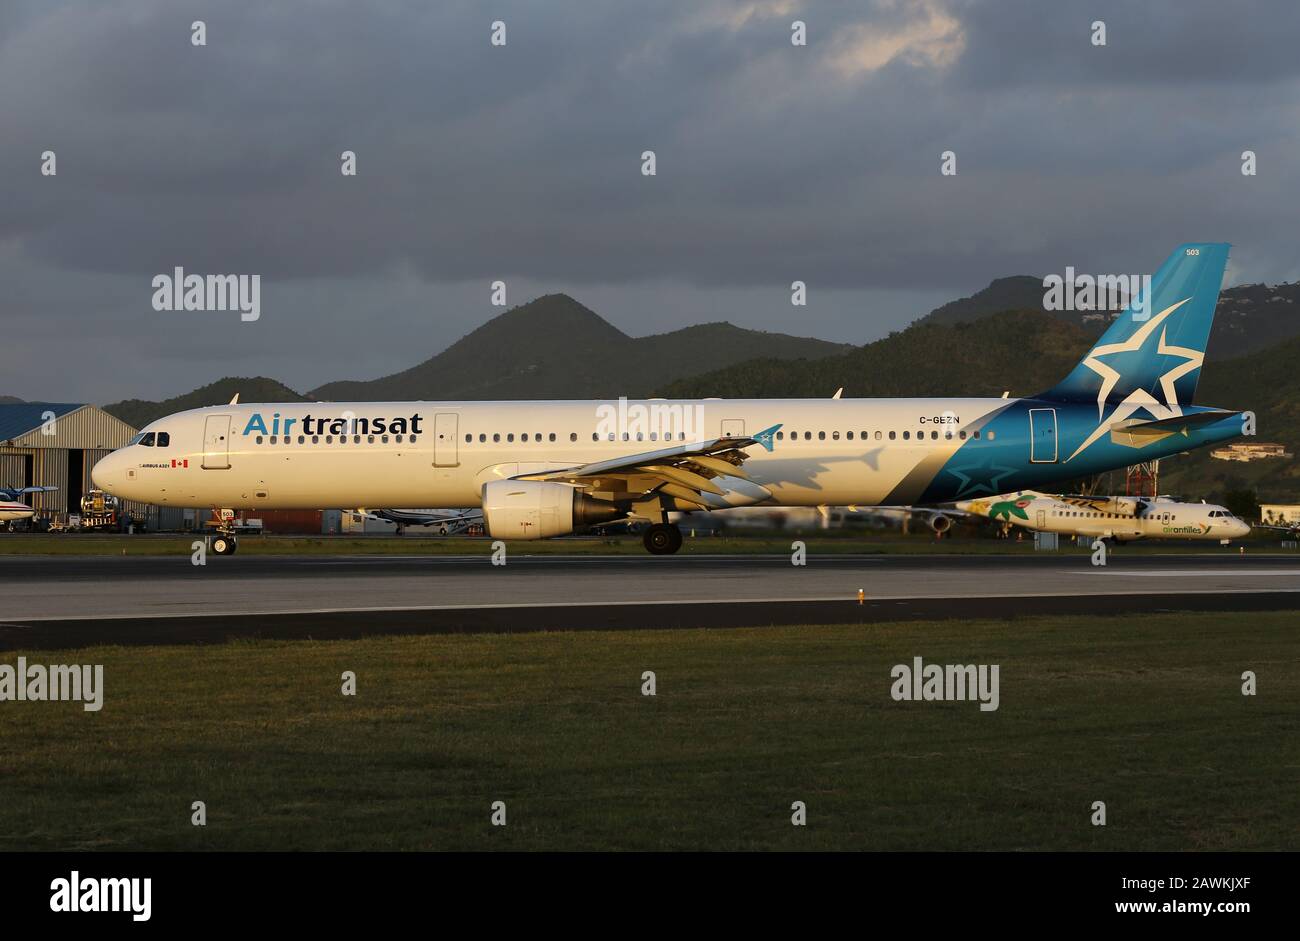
[106, 475]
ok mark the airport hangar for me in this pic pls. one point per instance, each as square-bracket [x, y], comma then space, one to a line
[55, 444]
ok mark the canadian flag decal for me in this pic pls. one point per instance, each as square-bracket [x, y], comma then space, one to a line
[181, 463]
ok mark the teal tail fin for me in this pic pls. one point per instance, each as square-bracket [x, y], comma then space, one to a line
[1157, 344]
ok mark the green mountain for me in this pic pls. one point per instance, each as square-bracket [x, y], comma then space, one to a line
[1020, 352]
[1249, 317]
[138, 412]
[555, 348]
[10, 400]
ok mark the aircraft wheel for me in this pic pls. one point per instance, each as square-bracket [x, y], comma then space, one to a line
[224, 545]
[662, 539]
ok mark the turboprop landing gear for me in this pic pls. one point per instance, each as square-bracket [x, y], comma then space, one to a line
[662, 539]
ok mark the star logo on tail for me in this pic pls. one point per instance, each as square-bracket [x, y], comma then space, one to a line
[1135, 398]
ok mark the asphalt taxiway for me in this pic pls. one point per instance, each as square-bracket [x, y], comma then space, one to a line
[65, 601]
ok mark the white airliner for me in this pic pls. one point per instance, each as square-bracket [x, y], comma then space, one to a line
[1121, 519]
[540, 469]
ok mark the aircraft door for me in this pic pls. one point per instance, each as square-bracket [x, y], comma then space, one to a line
[733, 428]
[1042, 520]
[1042, 436]
[216, 442]
[444, 439]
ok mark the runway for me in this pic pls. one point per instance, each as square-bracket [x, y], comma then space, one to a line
[56, 601]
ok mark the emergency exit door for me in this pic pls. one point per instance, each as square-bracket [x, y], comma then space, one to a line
[216, 442]
[1042, 435]
[444, 439]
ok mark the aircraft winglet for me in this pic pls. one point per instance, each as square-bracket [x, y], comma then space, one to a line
[766, 436]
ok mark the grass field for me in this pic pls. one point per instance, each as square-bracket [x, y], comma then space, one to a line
[1145, 714]
[817, 542]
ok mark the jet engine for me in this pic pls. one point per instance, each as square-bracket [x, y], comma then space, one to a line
[536, 509]
[940, 523]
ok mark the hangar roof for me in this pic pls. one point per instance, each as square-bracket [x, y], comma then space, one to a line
[18, 419]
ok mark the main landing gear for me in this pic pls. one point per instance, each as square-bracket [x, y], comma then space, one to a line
[662, 539]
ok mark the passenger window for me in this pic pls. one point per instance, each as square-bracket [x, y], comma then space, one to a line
[907, 435]
[273, 439]
[398, 438]
[573, 436]
[864, 434]
[835, 435]
[848, 436]
[413, 439]
[302, 439]
[807, 435]
[329, 439]
[259, 439]
[821, 436]
[991, 435]
[468, 439]
[496, 437]
[892, 435]
[552, 436]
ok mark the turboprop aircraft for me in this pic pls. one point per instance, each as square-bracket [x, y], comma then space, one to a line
[12, 509]
[1121, 519]
[540, 469]
[447, 521]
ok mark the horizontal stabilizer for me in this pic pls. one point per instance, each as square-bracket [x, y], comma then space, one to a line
[1135, 434]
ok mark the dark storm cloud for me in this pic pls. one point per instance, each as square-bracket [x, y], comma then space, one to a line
[476, 163]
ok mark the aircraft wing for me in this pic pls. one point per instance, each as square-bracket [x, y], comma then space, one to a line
[704, 474]
[22, 490]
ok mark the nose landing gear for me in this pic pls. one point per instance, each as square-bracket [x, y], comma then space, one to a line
[224, 544]
[223, 540]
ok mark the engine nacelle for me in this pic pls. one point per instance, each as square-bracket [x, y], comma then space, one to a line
[537, 509]
[940, 523]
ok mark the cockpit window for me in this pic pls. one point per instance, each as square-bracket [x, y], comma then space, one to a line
[145, 440]
[164, 439]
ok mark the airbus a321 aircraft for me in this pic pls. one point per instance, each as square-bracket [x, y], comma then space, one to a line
[1120, 519]
[542, 469]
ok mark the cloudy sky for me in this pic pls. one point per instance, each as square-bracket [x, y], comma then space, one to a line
[523, 163]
